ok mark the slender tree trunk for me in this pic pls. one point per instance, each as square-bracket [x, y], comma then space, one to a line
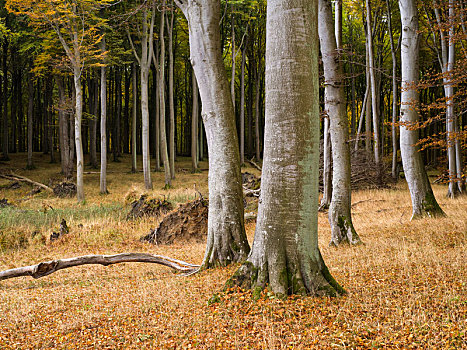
[285, 255]
[394, 96]
[194, 126]
[103, 131]
[327, 172]
[369, 102]
[157, 137]
[163, 131]
[423, 200]
[94, 89]
[374, 104]
[257, 115]
[226, 241]
[134, 111]
[78, 143]
[171, 98]
[4, 97]
[242, 109]
[234, 56]
[340, 218]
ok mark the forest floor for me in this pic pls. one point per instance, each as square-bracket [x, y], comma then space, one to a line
[406, 285]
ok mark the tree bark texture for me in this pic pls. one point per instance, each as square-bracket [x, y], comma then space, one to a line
[340, 218]
[162, 128]
[374, 105]
[194, 126]
[226, 241]
[423, 199]
[285, 254]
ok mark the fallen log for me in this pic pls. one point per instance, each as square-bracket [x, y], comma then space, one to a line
[14, 177]
[46, 268]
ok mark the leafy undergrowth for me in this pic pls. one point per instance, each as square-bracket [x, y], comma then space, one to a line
[406, 286]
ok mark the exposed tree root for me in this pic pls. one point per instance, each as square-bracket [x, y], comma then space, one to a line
[46, 268]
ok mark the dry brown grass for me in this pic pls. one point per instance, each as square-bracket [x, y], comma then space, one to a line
[406, 286]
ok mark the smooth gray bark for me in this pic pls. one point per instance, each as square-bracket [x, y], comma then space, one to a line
[170, 26]
[134, 82]
[226, 241]
[394, 94]
[285, 254]
[242, 107]
[327, 171]
[78, 143]
[423, 199]
[144, 60]
[194, 126]
[374, 105]
[162, 128]
[340, 217]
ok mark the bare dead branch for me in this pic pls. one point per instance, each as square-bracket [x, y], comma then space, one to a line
[15, 177]
[46, 268]
[254, 164]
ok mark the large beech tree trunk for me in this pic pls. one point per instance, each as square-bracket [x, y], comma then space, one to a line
[340, 219]
[226, 241]
[423, 200]
[285, 253]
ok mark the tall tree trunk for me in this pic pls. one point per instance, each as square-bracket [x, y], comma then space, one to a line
[78, 143]
[171, 98]
[194, 126]
[50, 118]
[285, 254]
[242, 108]
[423, 199]
[4, 98]
[134, 112]
[157, 138]
[234, 56]
[162, 127]
[257, 115]
[394, 96]
[126, 113]
[327, 173]
[93, 124]
[340, 218]
[103, 172]
[226, 241]
[374, 105]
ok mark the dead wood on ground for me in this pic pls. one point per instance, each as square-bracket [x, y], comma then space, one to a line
[46, 268]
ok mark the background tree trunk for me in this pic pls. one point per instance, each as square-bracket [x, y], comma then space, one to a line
[340, 218]
[423, 200]
[226, 241]
[103, 129]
